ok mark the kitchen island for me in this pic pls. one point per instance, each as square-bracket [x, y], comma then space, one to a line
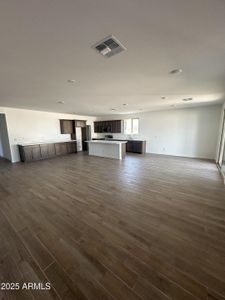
[109, 149]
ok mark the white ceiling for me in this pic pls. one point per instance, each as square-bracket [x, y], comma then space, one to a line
[46, 42]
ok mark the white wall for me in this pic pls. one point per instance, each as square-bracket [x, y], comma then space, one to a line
[36, 126]
[190, 132]
[4, 138]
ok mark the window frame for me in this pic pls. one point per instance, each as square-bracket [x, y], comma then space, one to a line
[132, 126]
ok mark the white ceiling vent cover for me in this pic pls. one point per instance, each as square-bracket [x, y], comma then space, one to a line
[109, 47]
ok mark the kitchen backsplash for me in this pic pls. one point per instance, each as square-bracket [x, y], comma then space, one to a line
[122, 136]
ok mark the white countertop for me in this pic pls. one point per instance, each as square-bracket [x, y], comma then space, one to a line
[106, 142]
[45, 142]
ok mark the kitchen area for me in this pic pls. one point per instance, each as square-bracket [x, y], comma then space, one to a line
[104, 144]
[106, 129]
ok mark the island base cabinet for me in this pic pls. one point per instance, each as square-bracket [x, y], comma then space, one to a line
[43, 151]
[107, 149]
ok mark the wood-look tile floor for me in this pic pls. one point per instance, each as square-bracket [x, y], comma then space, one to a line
[147, 227]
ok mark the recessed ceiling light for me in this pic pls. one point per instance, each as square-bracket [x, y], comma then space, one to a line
[112, 109]
[187, 99]
[176, 71]
[60, 102]
[125, 104]
[71, 80]
[163, 97]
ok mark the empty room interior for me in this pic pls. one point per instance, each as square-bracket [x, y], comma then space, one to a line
[112, 150]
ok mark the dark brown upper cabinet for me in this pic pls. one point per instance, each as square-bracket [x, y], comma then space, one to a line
[67, 126]
[113, 126]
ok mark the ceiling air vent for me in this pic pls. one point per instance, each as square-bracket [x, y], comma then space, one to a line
[109, 46]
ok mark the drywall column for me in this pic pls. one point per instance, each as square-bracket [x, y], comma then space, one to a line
[5, 151]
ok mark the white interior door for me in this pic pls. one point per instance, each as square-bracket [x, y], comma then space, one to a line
[79, 138]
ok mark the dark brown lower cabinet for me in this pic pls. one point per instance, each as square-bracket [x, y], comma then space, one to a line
[61, 149]
[136, 146]
[71, 147]
[36, 152]
[44, 151]
[31, 152]
[26, 152]
[51, 150]
[129, 146]
[47, 150]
